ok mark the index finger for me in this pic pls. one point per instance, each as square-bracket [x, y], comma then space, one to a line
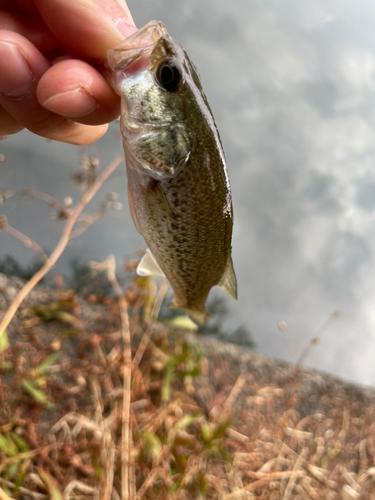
[87, 28]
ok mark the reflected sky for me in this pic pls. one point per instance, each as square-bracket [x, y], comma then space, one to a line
[291, 85]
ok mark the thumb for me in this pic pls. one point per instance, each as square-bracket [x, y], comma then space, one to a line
[87, 28]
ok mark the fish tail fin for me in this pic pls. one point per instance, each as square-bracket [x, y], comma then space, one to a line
[199, 317]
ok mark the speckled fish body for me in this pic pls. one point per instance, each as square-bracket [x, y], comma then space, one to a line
[179, 192]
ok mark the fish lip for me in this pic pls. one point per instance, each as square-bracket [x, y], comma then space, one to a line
[138, 45]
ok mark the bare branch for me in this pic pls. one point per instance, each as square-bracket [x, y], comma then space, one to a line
[5, 196]
[88, 220]
[42, 196]
[28, 242]
[315, 339]
[65, 236]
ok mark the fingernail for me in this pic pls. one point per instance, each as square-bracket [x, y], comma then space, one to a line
[120, 19]
[73, 104]
[123, 5]
[125, 27]
[16, 75]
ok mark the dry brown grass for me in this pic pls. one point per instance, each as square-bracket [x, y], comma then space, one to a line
[62, 418]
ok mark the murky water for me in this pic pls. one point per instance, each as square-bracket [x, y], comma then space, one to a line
[292, 87]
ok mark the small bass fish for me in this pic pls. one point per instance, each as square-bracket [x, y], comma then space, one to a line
[179, 193]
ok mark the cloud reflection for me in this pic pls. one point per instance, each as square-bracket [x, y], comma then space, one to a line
[292, 87]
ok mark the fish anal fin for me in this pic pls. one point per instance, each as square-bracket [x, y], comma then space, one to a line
[148, 266]
[198, 316]
[228, 282]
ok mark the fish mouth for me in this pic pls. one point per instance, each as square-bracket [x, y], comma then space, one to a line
[133, 54]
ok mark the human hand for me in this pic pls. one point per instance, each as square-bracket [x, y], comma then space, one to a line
[49, 82]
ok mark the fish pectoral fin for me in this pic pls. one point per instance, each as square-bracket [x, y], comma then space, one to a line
[199, 317]
[148, 266]
[132, 211]
[160, 198]
[228, 282]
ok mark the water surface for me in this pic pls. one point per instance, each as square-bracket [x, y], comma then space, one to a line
[291, 85]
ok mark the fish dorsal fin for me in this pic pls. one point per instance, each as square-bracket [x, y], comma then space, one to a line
[228, 282]
[148, 266]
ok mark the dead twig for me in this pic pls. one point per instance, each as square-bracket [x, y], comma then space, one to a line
[28, 493]
[293, 478]
[148, 482]
[4, 496]
[226, 409]
[127, 472]
[155, 313]
[315, 472]
[28, 242]
[89, 220]
[52, 202]
[314, 340]
[8, 194]
[272, 476]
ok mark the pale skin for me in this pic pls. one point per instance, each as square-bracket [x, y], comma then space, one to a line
[50, 80]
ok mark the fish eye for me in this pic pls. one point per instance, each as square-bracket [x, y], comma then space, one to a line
[168, 75]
